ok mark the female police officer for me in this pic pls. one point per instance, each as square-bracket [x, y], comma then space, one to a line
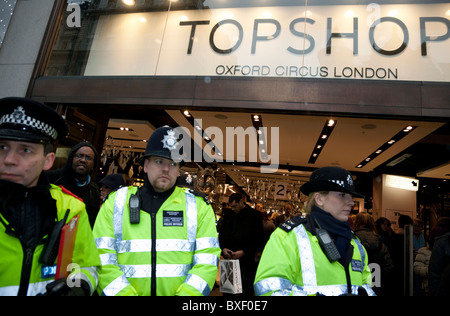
[317, 255]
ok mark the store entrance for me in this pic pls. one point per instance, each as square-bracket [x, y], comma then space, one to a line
[229, 150]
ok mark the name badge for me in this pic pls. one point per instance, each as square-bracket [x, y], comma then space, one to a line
[357, 266]
[48, 272]
[173, 218]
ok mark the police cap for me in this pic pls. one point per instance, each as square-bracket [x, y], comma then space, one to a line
[330, 179]
[23, 119]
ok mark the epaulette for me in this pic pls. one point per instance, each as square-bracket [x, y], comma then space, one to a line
[290, 224]
[203, 195]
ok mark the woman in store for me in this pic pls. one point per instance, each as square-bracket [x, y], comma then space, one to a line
[317, 255]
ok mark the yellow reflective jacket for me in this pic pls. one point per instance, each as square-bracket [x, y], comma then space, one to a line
[14, 258]
[294, 264]
[186, 249]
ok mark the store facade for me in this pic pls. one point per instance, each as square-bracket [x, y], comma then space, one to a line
[383, 66]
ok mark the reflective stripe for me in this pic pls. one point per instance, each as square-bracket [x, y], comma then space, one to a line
[145, 245]
[206, 242]
[272, 284]
[33, 289]
[369, 290]
[162, 270]
[116, 286]
[119, 204]
[283, 287]
[105, 243]
[361, 251]
[9, 290]
[198, 283]
[205, 258]
[306, 257]
[109, 258]
[191, 210]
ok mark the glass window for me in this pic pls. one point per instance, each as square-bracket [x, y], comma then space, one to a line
[349, 39]
[6, 12]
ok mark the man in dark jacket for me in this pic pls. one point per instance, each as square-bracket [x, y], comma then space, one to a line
[76, 177]
[240, 236]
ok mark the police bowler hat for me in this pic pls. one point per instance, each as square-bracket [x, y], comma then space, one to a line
[330, 179]
[163, 143]
[26, 120]
[113, 181]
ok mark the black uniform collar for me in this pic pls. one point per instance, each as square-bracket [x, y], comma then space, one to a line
[153, 200]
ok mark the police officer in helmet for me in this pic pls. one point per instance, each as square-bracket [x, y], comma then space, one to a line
[159, 239]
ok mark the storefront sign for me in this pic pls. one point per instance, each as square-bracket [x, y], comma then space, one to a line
[404, 183]
[388, 42]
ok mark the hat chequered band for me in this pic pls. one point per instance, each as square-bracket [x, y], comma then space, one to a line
[19, 117]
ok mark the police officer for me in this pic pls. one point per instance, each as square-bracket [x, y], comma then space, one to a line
[159, 239]
[317, 255]
[33, 211]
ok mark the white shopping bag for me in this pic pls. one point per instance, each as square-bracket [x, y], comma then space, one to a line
[230, 277]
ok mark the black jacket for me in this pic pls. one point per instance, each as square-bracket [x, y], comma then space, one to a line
[90, 193]
[242, 231]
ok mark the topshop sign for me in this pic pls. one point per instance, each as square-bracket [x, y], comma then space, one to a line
[377, 42]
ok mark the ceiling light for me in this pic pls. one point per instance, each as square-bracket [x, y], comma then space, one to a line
[405, 131]
[325, 134]
[186, 113]
[128, 2]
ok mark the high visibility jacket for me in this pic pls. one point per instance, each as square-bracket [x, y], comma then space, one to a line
[16, 262]
[186, 249]
[293, 263]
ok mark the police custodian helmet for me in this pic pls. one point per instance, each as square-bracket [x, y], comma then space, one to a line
[26, 120]
[330, 179]
[164, 143]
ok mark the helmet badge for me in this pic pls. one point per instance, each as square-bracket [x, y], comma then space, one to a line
[170, 141]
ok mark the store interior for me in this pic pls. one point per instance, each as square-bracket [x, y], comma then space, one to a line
[293, 144]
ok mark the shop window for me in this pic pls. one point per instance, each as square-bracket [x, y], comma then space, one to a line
[6, 12]
[318, 39]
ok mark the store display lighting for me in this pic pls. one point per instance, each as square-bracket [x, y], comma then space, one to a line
[405, 131]
[127, 129]
[128, 2]
[261, 138]
[324, 136]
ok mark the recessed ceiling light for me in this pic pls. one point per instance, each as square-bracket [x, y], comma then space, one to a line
[405, 131]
